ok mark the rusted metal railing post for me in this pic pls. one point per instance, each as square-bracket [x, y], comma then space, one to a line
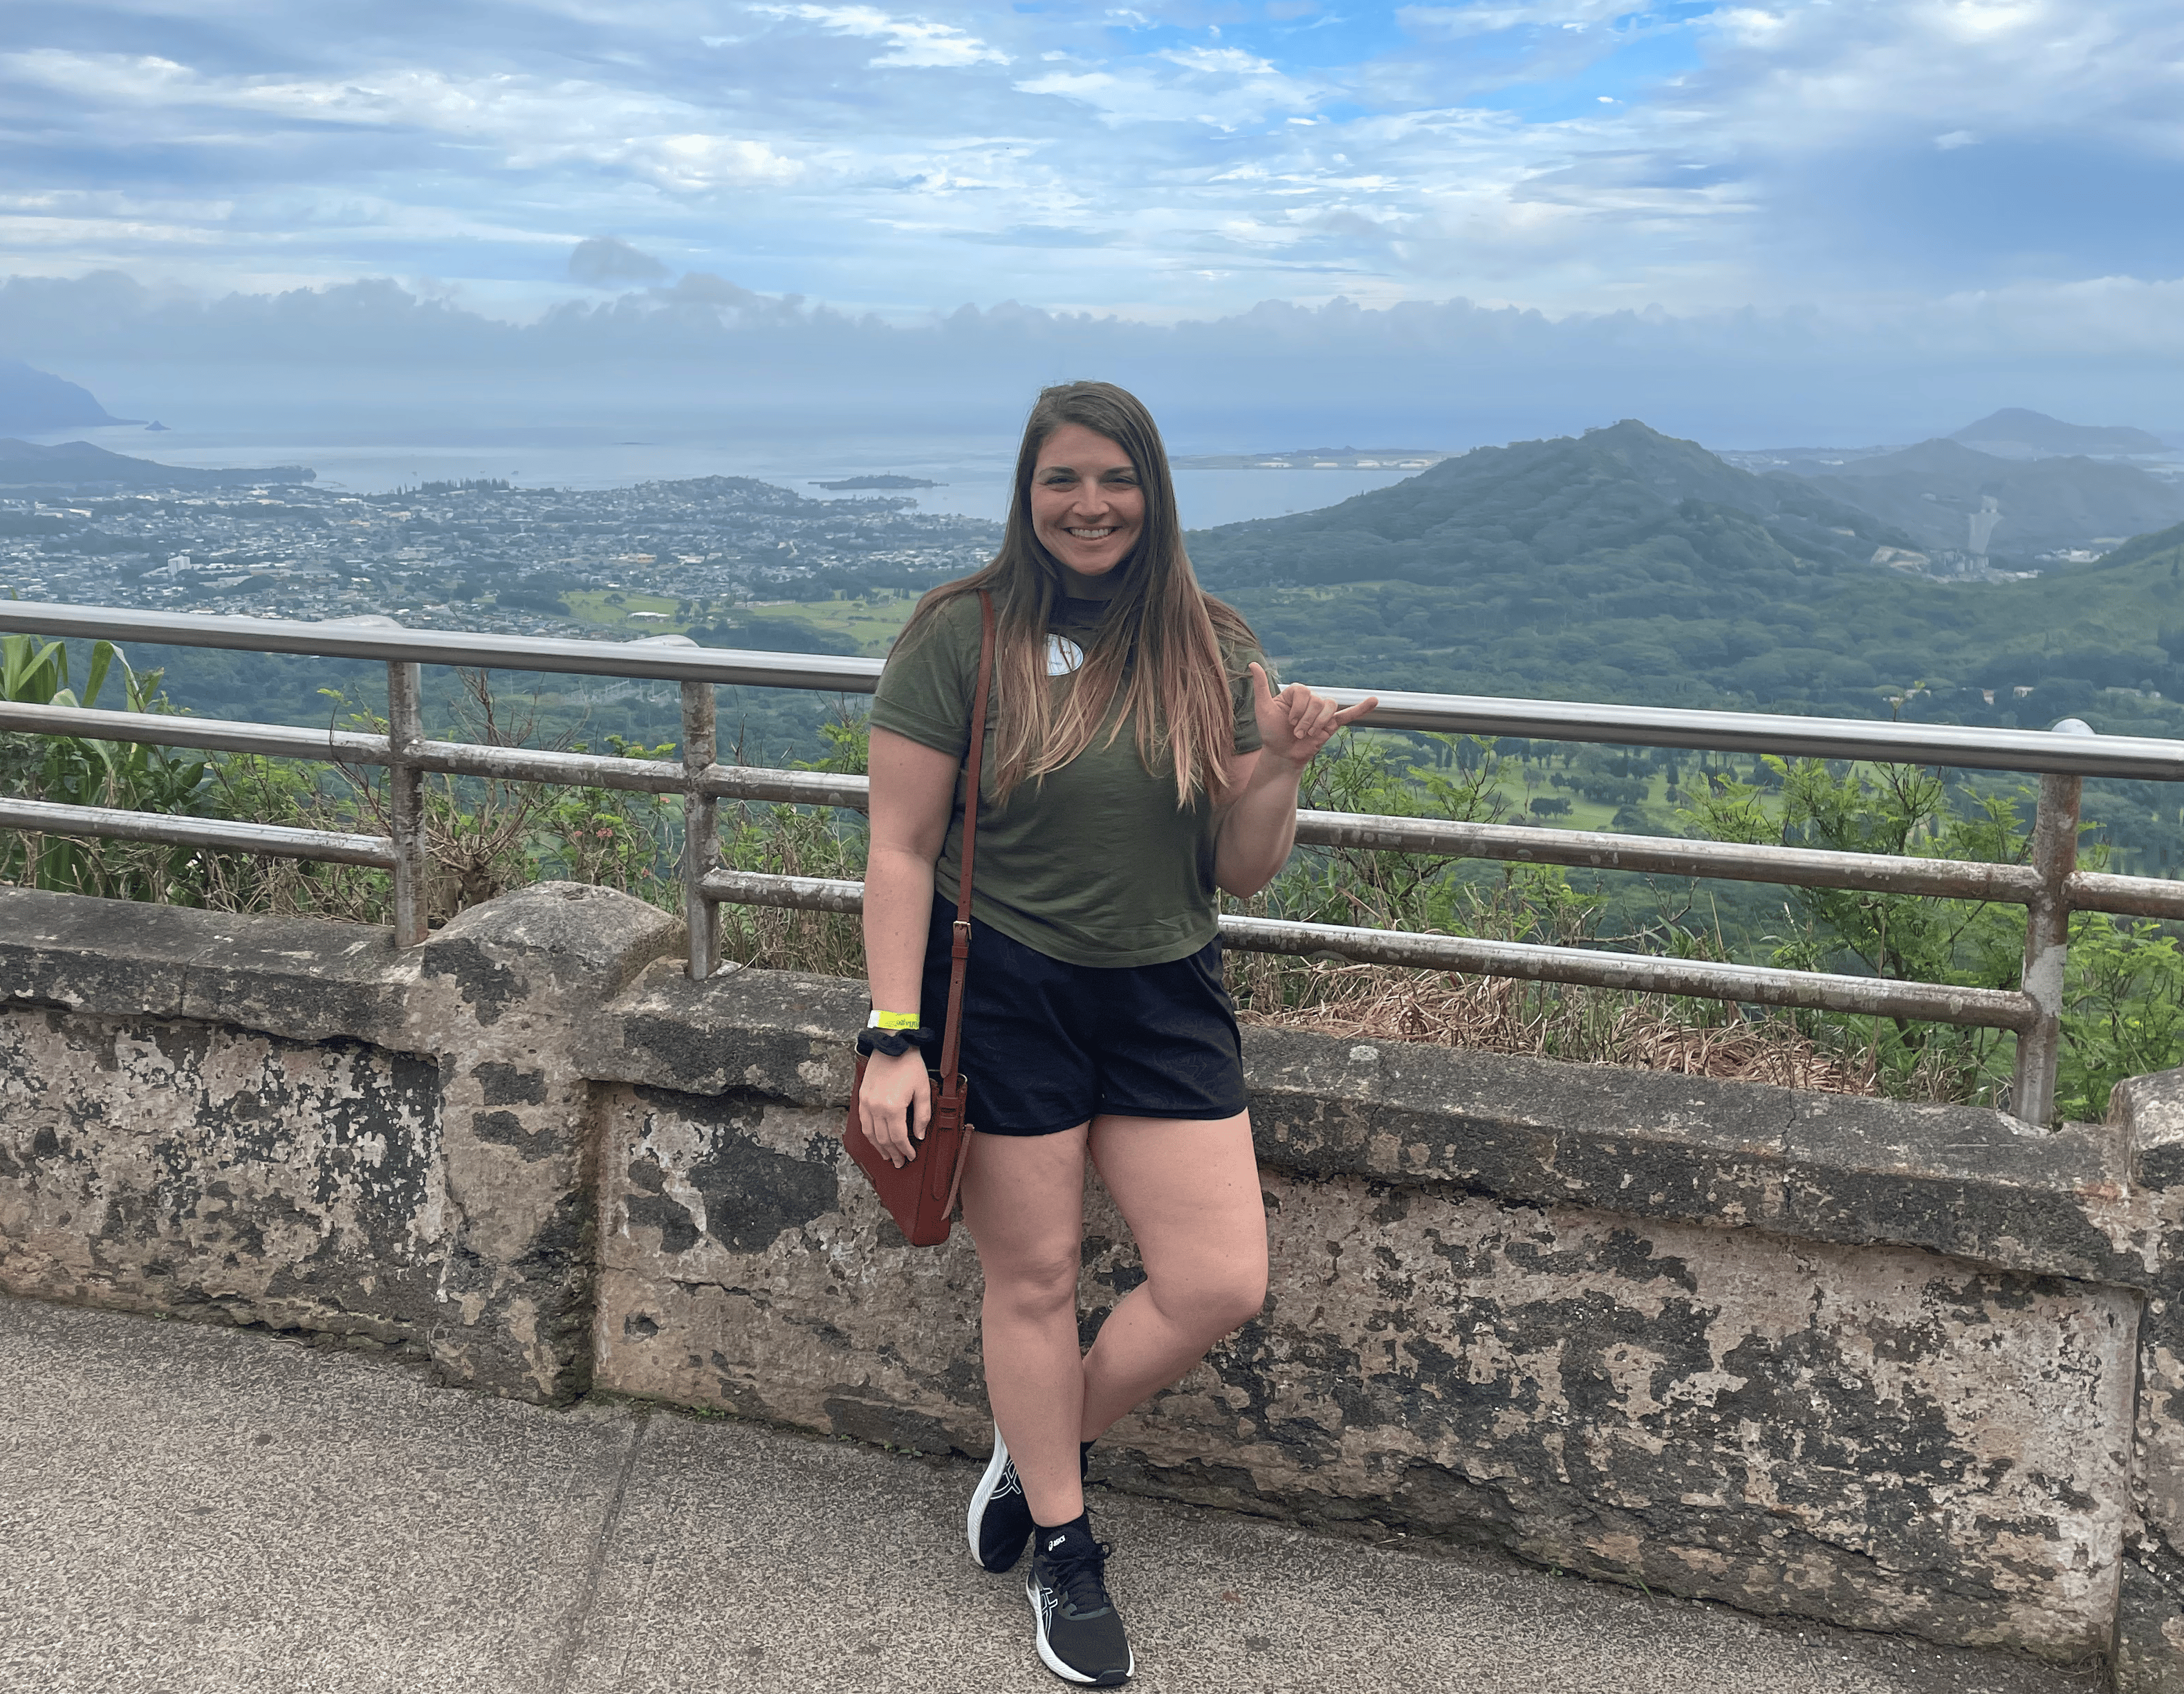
[405, 808]
[701, 830]
[2048, 942]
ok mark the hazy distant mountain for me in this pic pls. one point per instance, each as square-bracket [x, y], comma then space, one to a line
[78, 462]
[32, 401]
[2012, 432]
[1946, 494]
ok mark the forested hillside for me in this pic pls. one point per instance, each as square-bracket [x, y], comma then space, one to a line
[1624, 566]
[1509, 510]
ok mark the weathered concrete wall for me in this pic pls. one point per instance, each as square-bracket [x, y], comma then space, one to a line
[1789, 1428]
[2148, 1651]
[1898, 1366]
[289, 1123]
[153, 1161]
[1869, 1432]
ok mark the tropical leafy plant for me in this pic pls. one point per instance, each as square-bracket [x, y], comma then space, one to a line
[78, 770]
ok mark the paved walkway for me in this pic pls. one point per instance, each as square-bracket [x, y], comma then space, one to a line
[188, 1510]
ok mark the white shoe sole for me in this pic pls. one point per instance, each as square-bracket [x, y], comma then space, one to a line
[1047, 1653]
[984, 1492]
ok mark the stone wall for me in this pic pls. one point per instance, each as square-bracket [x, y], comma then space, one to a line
[1904, 1368]
[293, 1124]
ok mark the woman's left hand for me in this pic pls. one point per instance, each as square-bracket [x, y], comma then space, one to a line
[1295, 724]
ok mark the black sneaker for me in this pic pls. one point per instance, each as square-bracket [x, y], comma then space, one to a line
[1000, 1517]
[1080, 1633]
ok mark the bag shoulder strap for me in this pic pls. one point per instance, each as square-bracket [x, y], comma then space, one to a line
[951, 1037]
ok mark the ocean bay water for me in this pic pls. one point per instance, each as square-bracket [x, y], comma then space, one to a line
[975, 472]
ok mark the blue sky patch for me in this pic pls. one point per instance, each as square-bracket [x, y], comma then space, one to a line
[1170, 159]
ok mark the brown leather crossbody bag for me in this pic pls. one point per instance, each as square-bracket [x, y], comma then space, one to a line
[920, 1196]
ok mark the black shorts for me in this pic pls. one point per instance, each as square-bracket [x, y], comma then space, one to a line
[1048, 1044]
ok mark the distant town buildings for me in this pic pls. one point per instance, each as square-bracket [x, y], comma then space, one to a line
[487, 558]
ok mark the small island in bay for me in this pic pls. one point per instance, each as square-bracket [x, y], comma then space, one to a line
[849, 482]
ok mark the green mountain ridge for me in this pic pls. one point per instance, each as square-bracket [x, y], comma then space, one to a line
[1626, 566]
[1555, 502]
[1932, 490]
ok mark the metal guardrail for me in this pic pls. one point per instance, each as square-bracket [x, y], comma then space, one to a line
[2050, 887]
[1640, 973]
[2139, 758]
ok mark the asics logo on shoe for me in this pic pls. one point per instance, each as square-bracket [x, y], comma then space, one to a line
[1056, 1542]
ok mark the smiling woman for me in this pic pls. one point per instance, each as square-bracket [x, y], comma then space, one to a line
[1088, 507]
[1093, 1017]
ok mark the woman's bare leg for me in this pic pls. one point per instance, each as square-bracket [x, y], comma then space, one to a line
[1023, 1202]
[1190, 1192]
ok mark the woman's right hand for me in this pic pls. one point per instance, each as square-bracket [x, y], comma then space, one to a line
[897, 1104]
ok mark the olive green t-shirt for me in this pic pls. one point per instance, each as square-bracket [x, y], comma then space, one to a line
[1096, 863]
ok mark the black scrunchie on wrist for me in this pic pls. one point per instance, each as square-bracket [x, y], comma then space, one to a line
[894, 1043]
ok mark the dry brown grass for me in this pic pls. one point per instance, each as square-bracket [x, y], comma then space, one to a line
[1501, 1015]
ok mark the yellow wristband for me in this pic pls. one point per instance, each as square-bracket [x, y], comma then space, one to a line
[891, 1020]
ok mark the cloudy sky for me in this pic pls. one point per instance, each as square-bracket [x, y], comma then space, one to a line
[1960, 180]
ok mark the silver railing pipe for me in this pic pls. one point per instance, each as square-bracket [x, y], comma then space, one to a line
[220, 735]
[275, 841]
[2047, 939]
[797, 894]
[788, 787]
[544, 765]
[701, 830]
[1736, 860]
[1637, 973]
[2126, 896]
[467, 649]
[405, 800]
[2137, 758]
[1519, 844]
[2130, 757]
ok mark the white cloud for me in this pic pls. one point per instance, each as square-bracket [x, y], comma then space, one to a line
[1452, 23]
[2103, 317]
[692, 163]
[917, 41]
[73, 235]
[1809, 76]
[1222, 88]
[534, 121]
[1220, 61]
[1415, 174]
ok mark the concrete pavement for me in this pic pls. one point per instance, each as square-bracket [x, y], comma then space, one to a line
[192, 1510]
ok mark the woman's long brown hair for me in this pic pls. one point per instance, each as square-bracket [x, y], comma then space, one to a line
[1159, 642]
